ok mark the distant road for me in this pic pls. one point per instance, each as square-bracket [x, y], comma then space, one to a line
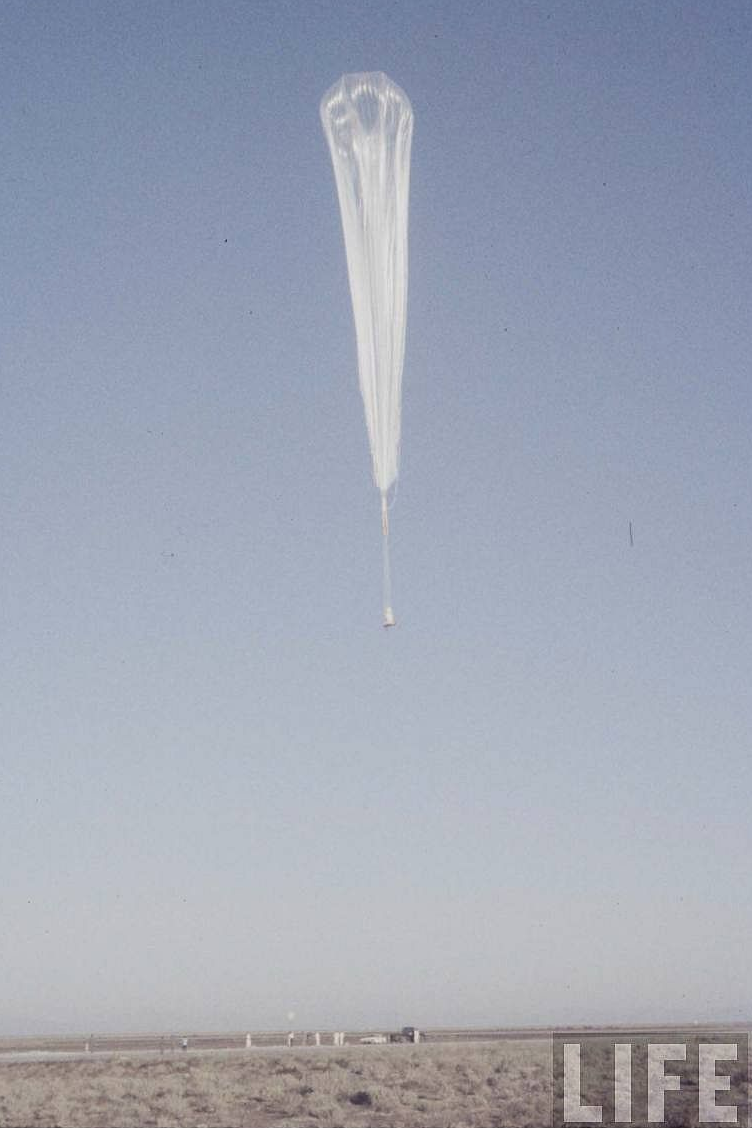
[181, 1042]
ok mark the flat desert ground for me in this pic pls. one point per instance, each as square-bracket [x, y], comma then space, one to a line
[502, 1084]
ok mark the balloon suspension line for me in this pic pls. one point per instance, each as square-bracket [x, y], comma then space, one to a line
[389, 620]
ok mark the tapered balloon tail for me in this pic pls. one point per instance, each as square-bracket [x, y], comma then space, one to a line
[389, 620]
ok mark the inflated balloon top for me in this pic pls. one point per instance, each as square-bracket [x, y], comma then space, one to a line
[368, 122]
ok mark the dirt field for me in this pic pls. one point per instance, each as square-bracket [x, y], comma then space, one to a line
[487, 1085]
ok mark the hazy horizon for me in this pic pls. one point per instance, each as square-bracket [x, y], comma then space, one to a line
[226, 794]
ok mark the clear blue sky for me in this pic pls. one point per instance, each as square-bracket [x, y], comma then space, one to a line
[225, 792]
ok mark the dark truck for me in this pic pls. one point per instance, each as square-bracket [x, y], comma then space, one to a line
[406, 1034]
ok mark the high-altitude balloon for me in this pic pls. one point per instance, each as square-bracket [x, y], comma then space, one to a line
[368, 122]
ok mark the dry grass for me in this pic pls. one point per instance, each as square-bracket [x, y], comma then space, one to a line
[488, 1085]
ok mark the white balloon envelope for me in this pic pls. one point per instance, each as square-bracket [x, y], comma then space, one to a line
[368, 122]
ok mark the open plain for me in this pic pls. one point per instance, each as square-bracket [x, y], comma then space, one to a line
[498, 1078]
[450, 1085]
